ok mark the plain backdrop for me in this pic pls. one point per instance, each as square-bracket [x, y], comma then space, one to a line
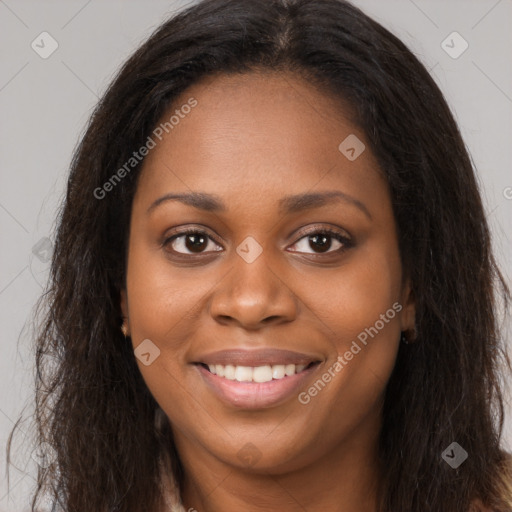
[45, 103]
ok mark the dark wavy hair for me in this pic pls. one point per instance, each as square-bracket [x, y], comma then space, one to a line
[93, 406]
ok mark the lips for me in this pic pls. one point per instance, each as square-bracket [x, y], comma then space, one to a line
[255, 378]
[255, 358]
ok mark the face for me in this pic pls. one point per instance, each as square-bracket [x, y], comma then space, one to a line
[264, 290]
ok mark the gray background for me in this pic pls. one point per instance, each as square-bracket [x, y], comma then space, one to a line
[45, 103]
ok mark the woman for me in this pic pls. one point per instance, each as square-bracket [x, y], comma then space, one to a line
[273, 286]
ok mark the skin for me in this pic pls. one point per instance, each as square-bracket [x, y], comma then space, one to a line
[251, 140]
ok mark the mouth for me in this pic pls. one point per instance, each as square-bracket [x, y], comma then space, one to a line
[255, 379]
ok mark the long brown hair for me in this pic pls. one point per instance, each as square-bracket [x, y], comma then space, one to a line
[93, 406]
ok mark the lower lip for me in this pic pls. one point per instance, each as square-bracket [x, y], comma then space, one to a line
[255, 395]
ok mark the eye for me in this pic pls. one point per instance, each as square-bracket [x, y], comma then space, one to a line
[323, 240]
[191, 241]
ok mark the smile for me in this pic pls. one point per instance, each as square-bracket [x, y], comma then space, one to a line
[256, 374]
[255, 379]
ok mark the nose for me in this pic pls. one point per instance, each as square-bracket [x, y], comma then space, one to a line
[252, 296]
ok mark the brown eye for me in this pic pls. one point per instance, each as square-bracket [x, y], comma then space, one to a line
[322, 241]
[191, 242]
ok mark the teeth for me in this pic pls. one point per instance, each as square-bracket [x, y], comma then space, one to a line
[262, 374]
[229, 372]
[243, 373]
[289, 369]
[255, 374]
[278, 371]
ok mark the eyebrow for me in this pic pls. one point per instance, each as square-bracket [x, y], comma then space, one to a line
[199, 200]
[288, 204]
[295, 203]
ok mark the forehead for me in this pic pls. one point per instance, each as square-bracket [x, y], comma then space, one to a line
[255, 134]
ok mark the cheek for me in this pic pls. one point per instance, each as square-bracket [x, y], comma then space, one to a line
[360, 304]
[163, 306]
[164, 302]
[352, 297]
[163, 298]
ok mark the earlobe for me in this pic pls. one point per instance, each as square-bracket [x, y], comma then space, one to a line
[124, 311]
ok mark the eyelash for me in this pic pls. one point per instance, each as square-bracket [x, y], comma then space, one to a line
[344, 240]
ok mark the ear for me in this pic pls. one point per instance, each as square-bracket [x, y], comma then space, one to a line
[408, 316]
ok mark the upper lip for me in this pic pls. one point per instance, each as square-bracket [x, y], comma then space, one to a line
[256, 357]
